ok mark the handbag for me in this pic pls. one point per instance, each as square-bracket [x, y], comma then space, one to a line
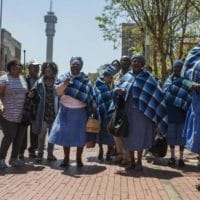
[26, 113]
[119, 125]
[29, 109]
[159, 148]
[93, 125]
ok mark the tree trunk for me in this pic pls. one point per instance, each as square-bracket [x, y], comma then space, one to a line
[164, 72]
[155, 65]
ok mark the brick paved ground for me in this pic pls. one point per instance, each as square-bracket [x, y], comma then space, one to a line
[98, 180]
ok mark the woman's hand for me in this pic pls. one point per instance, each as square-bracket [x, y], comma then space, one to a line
[31, 94]
[120, 91]
[66, 83]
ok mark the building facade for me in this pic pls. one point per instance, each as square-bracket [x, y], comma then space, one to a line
[10, 49]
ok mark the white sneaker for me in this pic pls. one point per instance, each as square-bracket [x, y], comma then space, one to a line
[16, 162]
[3, 164]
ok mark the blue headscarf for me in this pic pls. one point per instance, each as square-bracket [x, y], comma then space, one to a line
[79, 59]
[109, 70]
[141, 58]
[177, 63]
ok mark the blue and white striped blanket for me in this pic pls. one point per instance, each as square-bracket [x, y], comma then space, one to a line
[103, 97]
[147, 96]
[177, 93]
[191, 61]
[80, 88]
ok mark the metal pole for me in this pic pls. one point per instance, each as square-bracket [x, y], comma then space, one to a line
[24, 60]
[1, 10]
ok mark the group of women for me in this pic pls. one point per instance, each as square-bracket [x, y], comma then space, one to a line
[66, 103]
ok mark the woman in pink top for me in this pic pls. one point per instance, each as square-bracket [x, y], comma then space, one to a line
[76, 100]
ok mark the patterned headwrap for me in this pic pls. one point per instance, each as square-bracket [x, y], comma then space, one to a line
[177, 63]
[141, 58]
[109, 70]
[79, 59]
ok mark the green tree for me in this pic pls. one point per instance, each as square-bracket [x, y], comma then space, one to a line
[169, 24]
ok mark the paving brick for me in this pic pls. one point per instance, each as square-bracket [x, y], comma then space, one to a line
[99, 180]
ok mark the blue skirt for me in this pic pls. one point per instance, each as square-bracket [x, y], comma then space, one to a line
[141, 130]
[175, 134]
[192, 124]
[192, 127]
[69, 127]
[104, 137]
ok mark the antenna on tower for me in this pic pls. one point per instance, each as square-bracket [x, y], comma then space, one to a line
[51, 5]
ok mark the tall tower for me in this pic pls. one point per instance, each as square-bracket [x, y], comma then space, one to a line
[50, 20]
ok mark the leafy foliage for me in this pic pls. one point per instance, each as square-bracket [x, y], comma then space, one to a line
[172, 25]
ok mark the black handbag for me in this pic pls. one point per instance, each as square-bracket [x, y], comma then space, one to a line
[159, 148]
[119, 126]
[29, 109]
[26, 113]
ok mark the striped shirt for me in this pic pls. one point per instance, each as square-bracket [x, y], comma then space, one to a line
[14, 97]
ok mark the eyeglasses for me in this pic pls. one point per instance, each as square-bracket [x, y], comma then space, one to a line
[19, 65]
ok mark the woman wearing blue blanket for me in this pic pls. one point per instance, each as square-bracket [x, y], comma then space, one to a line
[144, 105]
[103, 96]
[191, 70]
[178, 99]
[76, 99]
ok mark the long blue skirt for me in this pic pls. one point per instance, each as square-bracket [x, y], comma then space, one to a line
[141, 130]
[192, 125]
[175, 134]
[69, 127]
[104, 137]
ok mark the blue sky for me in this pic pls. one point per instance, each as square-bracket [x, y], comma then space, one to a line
[77, 32]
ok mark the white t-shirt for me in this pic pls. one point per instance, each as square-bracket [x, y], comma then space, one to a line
[14, 97]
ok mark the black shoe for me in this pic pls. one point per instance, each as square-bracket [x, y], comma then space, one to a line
[172, 162]
[131, 166]
[100, 156]
[181, 163]
[79, 163]
[64, 163]
[32, 155]
[51, 158]
[39, 158]
[21, 156]
[198, 187]
[108, 157]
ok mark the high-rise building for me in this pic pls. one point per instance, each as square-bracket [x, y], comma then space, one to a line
[10, 49]
[50, 20]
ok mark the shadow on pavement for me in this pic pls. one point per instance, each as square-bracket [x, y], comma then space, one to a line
[95, 159]
[72, 170]
[85, 170]
[190, 168]
[21, 170]
[150, 172]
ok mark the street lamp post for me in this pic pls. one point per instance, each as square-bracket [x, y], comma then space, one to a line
[24, 59]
